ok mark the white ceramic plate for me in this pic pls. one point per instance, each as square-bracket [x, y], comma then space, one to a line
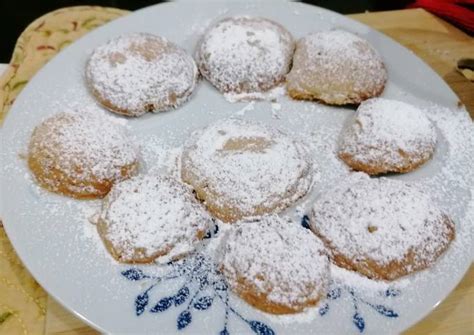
[56, 244]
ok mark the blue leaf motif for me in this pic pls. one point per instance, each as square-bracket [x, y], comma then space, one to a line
[323, 310]
[199, 261]
[334, 294]
[305, 221]
[220, 285]
[209, 234]
[181, 296]
[359, 321]
[162, 305]
[184, 319]
[198, 271]
[141, 302]
[203, 303]
[385, 311]
[134, 274]
[392, 292]
[203, 282]
[260, 328]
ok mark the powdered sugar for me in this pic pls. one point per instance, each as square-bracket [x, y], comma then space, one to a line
[246, 167]
[368, 287]
[245, 54]
[279, 258]
[136, 73]
[451, 184]
[386, 132]
[270, 95]
[381, 219]
[86, 146]
[248, 107]
[158, 157]
[152, 216]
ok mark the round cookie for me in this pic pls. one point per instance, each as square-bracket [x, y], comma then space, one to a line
[149, 218]
[138, 73]
[241, 169]
[387, 136]
[337, 68]
[275, 265]
[381, 228]
[81, 154]
[244, 54]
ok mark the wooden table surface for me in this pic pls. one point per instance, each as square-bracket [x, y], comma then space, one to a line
[440, 45]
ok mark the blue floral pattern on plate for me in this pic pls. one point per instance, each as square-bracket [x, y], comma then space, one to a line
[201, 273]
[357, 318]
[204, 285]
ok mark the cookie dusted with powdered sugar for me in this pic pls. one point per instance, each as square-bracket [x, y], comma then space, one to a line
[275, 265]
[387, 136]
[381, 228]
[81, 154]
[149, 218]
[337, 68]
[244, 54]
[242, 168]
[138, 73]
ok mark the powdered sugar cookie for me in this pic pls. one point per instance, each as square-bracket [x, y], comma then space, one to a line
[275, 265]
[387, 136]
[241, 168]
[138, 73]
[382, 228]
[81, 154]
[245, 54]
[151, 217]
[336, 67]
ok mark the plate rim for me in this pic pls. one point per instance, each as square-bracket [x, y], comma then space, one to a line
[9, 230]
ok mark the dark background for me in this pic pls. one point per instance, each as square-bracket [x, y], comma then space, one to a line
[15, 15]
